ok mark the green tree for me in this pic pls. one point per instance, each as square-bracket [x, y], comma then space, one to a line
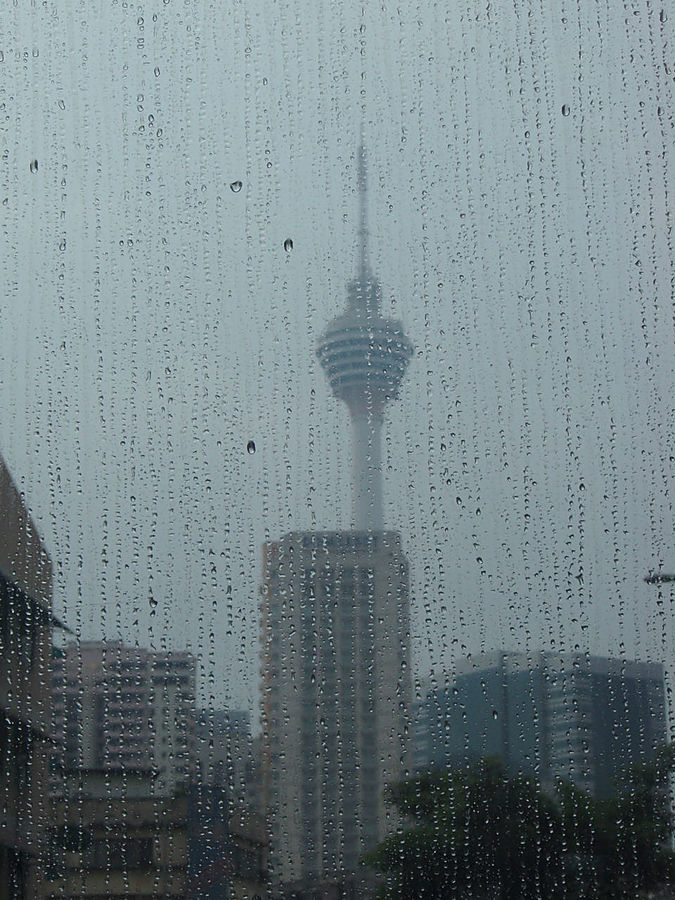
[477, 833]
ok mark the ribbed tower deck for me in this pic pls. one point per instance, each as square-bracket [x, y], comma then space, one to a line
[365, 357]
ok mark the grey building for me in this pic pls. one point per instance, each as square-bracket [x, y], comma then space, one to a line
[336, 695]
[419, 724]
[553, 715]
[228, 755]
[113, 837]
[26, 628]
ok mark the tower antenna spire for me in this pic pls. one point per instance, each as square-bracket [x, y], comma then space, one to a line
[362, 182]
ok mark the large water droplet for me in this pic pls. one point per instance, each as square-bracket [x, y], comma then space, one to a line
[250, 447]
[288, 245]
[565, 110]
[34, 166]
[235, 187]
[156, 71]
[62, 104]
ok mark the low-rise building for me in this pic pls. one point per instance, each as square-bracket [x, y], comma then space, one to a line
[227, 849]
[112, 836]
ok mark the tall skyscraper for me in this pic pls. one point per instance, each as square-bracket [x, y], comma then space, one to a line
[335, 633]
[553, 715]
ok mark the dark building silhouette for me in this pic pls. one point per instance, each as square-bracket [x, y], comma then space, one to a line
[26, 626]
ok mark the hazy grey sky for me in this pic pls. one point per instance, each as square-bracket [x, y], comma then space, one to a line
[152, 323]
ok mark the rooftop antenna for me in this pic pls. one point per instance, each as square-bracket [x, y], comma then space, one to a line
[362, 183]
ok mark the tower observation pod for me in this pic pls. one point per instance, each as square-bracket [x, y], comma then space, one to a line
[365, 357]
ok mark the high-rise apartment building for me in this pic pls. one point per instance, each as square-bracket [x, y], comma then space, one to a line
[553, 715]
[117, 707]
[335, 632]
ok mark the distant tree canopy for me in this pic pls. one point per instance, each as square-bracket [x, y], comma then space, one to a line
[477, 834]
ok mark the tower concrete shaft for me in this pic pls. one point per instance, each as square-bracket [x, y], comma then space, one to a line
[365, 357]
[367, 472]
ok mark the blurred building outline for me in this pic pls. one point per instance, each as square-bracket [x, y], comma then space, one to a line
[120, 707]
[572, 716]
[26, 626]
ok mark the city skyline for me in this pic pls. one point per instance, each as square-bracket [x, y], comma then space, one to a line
[159, 334]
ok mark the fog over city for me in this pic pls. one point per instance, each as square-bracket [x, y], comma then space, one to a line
[178, 224]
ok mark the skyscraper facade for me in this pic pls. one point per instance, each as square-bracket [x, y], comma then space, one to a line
[573, 716]
[335, 633]
[336, 695]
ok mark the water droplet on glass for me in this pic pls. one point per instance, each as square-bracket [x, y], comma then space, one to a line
[62, 245]
[565, 109]
[495, 714]
[156, 71]
[288, 245]
[62, 104]
[250, 447]
[34, 166]
[235, 187]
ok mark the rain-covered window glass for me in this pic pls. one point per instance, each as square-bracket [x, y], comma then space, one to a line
[336, 515]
